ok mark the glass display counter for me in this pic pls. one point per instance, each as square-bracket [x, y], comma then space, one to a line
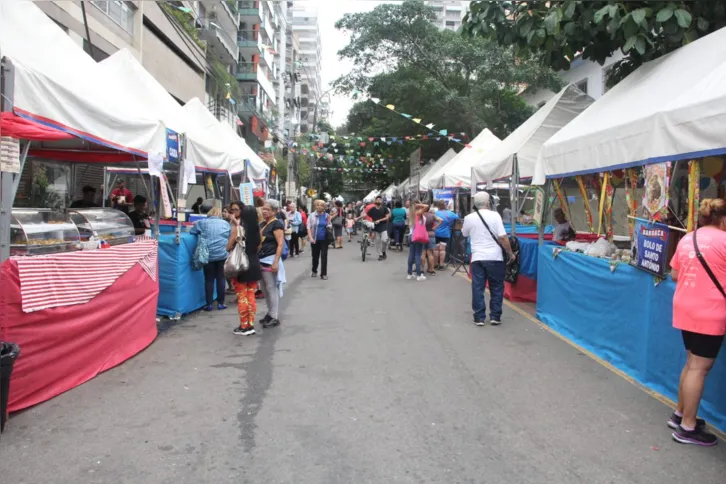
[108, 224]
[35, 231]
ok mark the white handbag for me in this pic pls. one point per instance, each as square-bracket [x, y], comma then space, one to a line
[237, 262]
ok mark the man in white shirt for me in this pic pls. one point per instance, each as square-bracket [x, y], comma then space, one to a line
[487, 259]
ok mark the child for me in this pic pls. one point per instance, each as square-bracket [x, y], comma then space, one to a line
[349, 223]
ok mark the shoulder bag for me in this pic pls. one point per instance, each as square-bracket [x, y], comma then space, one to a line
[708, 270]
[237, 262]
[505, 257]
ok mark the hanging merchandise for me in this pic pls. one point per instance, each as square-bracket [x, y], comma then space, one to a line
[694, 193]
[603, 195]
[631, 185]
[561, 197]
[609, 193]
[586, 202]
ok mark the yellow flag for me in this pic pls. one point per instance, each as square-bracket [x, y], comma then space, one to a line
[416, 120]
[390, 106]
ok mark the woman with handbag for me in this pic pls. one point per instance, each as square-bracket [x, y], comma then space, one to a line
[699, 311]
[215, 232]
[319, 234]
[245, 236]
[419, 239]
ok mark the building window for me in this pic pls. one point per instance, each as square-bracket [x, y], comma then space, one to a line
[582, 85]
[118, 11]
[450, 25]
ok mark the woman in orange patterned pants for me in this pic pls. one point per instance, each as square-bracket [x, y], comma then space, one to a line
[245, 284]
[246, 305]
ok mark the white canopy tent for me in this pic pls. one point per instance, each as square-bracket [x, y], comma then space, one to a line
[525, 142]
[136, 82]
[236, 148]
[389, 192]
[672, 108]
[458, 171]
[371, 196]
[257, 169]
[57, 84]
[437, 169]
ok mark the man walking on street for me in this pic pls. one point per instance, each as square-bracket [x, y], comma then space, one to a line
[489, 243]
[379, 215]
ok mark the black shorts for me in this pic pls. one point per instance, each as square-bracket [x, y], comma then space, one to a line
[703, 345]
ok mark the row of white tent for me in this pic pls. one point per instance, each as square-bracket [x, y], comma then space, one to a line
[673, 108]
[115, 103]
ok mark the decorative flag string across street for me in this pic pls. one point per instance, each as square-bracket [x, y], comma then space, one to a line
[419, 121]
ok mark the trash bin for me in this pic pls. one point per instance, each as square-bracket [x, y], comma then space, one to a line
[9, 352]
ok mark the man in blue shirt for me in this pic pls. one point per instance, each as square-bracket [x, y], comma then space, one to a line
[443, 231]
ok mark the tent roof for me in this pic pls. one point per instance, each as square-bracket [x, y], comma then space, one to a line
[373, 194]
[437, 169]
[58, 85]
[672, 108]
[137, 82]
[389, 191]
[236, 147]
[527, 140]
[458, 172]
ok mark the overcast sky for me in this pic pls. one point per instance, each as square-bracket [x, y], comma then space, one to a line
[329, 11]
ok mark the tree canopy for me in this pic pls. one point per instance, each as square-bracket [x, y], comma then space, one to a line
[461, 84]
[557, 31]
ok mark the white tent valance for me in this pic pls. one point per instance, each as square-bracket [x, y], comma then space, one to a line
[57, 84]
[526, 141]
[672, 108]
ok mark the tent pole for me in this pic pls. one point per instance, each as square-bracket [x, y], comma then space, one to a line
[514, 194]
[7, 180]
[545, 211]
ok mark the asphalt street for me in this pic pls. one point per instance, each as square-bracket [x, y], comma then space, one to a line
[370, 379]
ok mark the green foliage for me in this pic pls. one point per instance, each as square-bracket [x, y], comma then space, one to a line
[461, 84]
[557, 31]
[186, 21]
[325, 127]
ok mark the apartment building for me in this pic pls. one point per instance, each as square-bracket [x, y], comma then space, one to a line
[306, 35]
[587, 75]
[147, 30]
[291, 98]
[449, 13]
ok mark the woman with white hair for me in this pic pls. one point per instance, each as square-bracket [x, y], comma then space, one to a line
[272, 232]
[489, 247]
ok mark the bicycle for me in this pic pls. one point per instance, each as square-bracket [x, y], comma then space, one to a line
[365, 242]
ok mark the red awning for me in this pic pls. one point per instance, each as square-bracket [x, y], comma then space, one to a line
[21, 128]
[96, 156]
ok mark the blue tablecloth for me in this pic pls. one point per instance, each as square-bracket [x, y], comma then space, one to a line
[625, 319]
[528, 255]
[527, 229]
[181, 289]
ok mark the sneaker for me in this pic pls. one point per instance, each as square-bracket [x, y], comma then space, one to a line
[265, 320]
[478, 322]
[421, 277]
[221, 307]
[699, 436]
[314, 274]
[675, 421]
[209, 308]
[271, 323]
[380, 257]
[385, 256]
[495, 322]
[410, 277]
[243, 332]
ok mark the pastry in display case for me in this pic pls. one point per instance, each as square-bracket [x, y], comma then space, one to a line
[112, 226]
[35, 231]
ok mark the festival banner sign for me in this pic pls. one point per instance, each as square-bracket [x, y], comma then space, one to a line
[651, 248]
[446, 194]
[538, 206]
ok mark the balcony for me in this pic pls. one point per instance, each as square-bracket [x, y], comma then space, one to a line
[249, 40]
[249, 11]
[219, 40]
[248, 71]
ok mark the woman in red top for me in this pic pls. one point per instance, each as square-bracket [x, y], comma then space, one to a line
[699, 311]
[304, 227]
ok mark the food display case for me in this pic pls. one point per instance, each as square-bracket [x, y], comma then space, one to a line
[35, 231]
[107, 224]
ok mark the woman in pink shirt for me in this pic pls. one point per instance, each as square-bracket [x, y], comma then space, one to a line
[699, 311]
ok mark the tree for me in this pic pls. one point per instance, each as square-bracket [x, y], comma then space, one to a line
[325, 127]
[557, 31]
[458, 83]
